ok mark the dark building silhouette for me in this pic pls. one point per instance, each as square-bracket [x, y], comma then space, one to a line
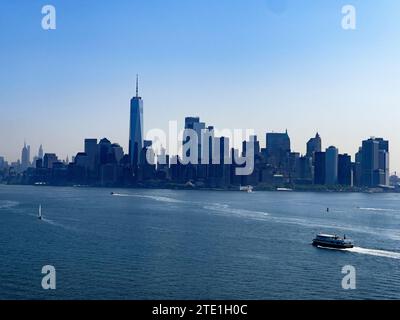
[256, 145]
[313, 145]
[375, 162]
[331, 166]
[319, 169]
[304, 170]
[49, 159]
[278, 150]
[193, 123]
[104, 151]
[345, 170]
[91, 151]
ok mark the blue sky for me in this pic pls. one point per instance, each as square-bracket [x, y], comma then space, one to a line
[261, 64]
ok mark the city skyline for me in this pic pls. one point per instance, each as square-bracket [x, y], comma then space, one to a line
[292, 66]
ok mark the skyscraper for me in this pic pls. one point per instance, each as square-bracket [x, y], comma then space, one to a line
[383, 161]
[193, 123]
[304, 169]
[104, 151]
[25, 156]
[331, 166]
[136, 127]
[40, 153]
[92, 152]
[375, 162]
[256, 145]
[313, 145]
[278, 149]
[345, 174]
[49, 159]
[357, 169]
[320, 166]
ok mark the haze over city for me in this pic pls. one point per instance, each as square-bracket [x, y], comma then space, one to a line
[290, 66]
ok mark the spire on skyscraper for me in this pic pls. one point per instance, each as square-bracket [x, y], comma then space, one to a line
[40, 153]
[137, 86]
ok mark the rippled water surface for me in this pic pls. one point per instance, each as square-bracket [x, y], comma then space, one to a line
[164, 244]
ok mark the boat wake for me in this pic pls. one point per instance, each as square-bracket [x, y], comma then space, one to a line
[224, 208]
[157, 198]
[51, 222]
[371, 252]
[374, 252]
[7, 204]
[378, 209]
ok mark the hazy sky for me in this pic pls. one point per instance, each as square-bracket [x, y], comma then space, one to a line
[266, 65]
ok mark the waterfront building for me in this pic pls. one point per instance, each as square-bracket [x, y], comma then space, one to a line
[375, 162]
[331, 166]
[278, 150]
[345, 171]
[319, 168]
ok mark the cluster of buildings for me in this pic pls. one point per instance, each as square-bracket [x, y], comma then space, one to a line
[104, 163]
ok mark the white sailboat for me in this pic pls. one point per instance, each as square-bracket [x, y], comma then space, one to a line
[40, 212]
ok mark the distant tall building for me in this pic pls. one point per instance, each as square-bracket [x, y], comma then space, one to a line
[357, 168]
[313, 145]
[375, 162]
[278, 142]
[345, 173]
[49, 159]
[304, 169]
[136, 127]
[163, 160]
[117, 151]
[331, 166]
[25, 156]
[81, 160]
[319, 168]
[91, 151]
[105, 151]
[278, 149]
[40, 153]
[256, 145]
[194, 123]
[384, 174]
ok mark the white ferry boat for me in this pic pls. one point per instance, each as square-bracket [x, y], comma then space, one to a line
[332, 241]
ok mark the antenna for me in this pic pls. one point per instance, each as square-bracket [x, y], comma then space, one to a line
[137, 85]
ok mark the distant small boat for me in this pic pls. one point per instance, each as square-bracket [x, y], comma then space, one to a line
[284, 189]
[332, 241]
[40, 183]
[40, 212]
[112, 193]
[248, 188]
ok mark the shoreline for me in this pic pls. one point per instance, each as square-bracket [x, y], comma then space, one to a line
[316, 189]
